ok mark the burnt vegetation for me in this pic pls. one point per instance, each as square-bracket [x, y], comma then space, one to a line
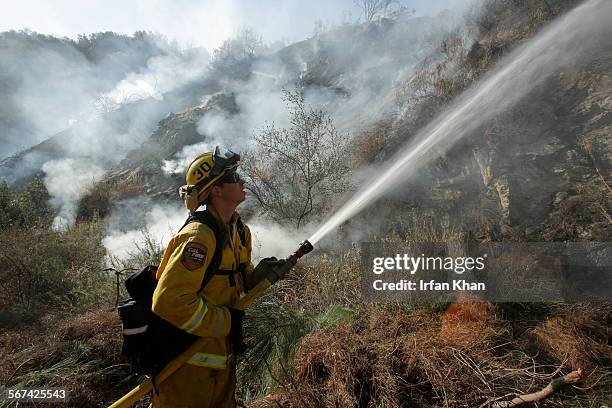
[313, 339]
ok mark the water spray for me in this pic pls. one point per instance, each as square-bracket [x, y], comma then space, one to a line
[581, 33]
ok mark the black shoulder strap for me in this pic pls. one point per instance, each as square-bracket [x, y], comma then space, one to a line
[206, 218]
[241, 230]
[241, 227]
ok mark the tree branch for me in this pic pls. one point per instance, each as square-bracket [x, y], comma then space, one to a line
[554, 386]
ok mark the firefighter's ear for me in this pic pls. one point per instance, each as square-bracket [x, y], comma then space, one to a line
[189, 196]
[215, 191]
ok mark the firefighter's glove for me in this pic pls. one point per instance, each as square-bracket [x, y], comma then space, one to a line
[269, 268]
[235, 334]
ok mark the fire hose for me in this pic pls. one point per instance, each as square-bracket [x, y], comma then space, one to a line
[146, 386]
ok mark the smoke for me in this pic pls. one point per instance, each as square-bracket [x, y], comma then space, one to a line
[351, 68]
[67, 181]
[50, 82]
[162, 221]
[258, 101]
[88, 92]
[253, 103]
[341, 71]
[222, 128]
[53, 85]
[182, 159]
[271, 239]
[162, 74]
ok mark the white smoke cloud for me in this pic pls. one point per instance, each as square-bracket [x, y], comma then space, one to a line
[271, 239]
[162, 74]
[258, 102]
[64, 93]
[161, 222]
[182, 159]
[222, 128]
[67, 181]
[130, 90]
[257, 105]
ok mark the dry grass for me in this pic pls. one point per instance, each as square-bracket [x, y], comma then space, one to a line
[466, 322]
[82, 355]
[98, 202]
[43, 270]
[324, 282]
[369, 144]
[460, 358]
[576, 339]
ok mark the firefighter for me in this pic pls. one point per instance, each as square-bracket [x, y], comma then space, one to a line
[209, 377]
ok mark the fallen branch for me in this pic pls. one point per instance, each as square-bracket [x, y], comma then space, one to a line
[554, 386]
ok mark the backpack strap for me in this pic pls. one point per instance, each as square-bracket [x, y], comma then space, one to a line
[206, 218]
[241, 228]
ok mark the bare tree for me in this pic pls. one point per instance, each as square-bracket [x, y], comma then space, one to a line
[320, 27]
[104, 103]
[295, 173]
[234, 56]
[373, 8]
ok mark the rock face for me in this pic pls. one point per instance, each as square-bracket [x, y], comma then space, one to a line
[543, 167]
[539, 171]
[177, 130]
[145, 163]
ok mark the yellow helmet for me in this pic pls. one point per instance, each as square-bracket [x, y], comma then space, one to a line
[203, 172]
[199, 168]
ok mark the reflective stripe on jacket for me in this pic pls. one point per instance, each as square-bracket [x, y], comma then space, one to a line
[209, 360]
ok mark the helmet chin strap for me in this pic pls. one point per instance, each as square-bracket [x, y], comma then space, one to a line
[190, 198]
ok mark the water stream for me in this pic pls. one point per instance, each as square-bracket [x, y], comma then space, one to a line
[575, 37]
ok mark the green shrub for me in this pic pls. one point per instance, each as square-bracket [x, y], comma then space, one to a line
[27, 208]
[42, 269]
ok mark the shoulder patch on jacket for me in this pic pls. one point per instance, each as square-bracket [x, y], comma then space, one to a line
[194, 256]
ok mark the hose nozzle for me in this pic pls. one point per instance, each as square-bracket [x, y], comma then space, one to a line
[284, 265]
[304, 248]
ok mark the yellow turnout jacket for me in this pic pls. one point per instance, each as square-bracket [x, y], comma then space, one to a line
[178, 298]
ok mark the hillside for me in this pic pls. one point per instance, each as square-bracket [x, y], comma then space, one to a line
[544, 158]
[504, 114]
[48, 82]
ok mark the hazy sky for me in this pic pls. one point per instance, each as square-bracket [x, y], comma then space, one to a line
[191, 22]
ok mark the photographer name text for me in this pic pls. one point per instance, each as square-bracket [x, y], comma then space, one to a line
[430, 285]
[411, 265]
